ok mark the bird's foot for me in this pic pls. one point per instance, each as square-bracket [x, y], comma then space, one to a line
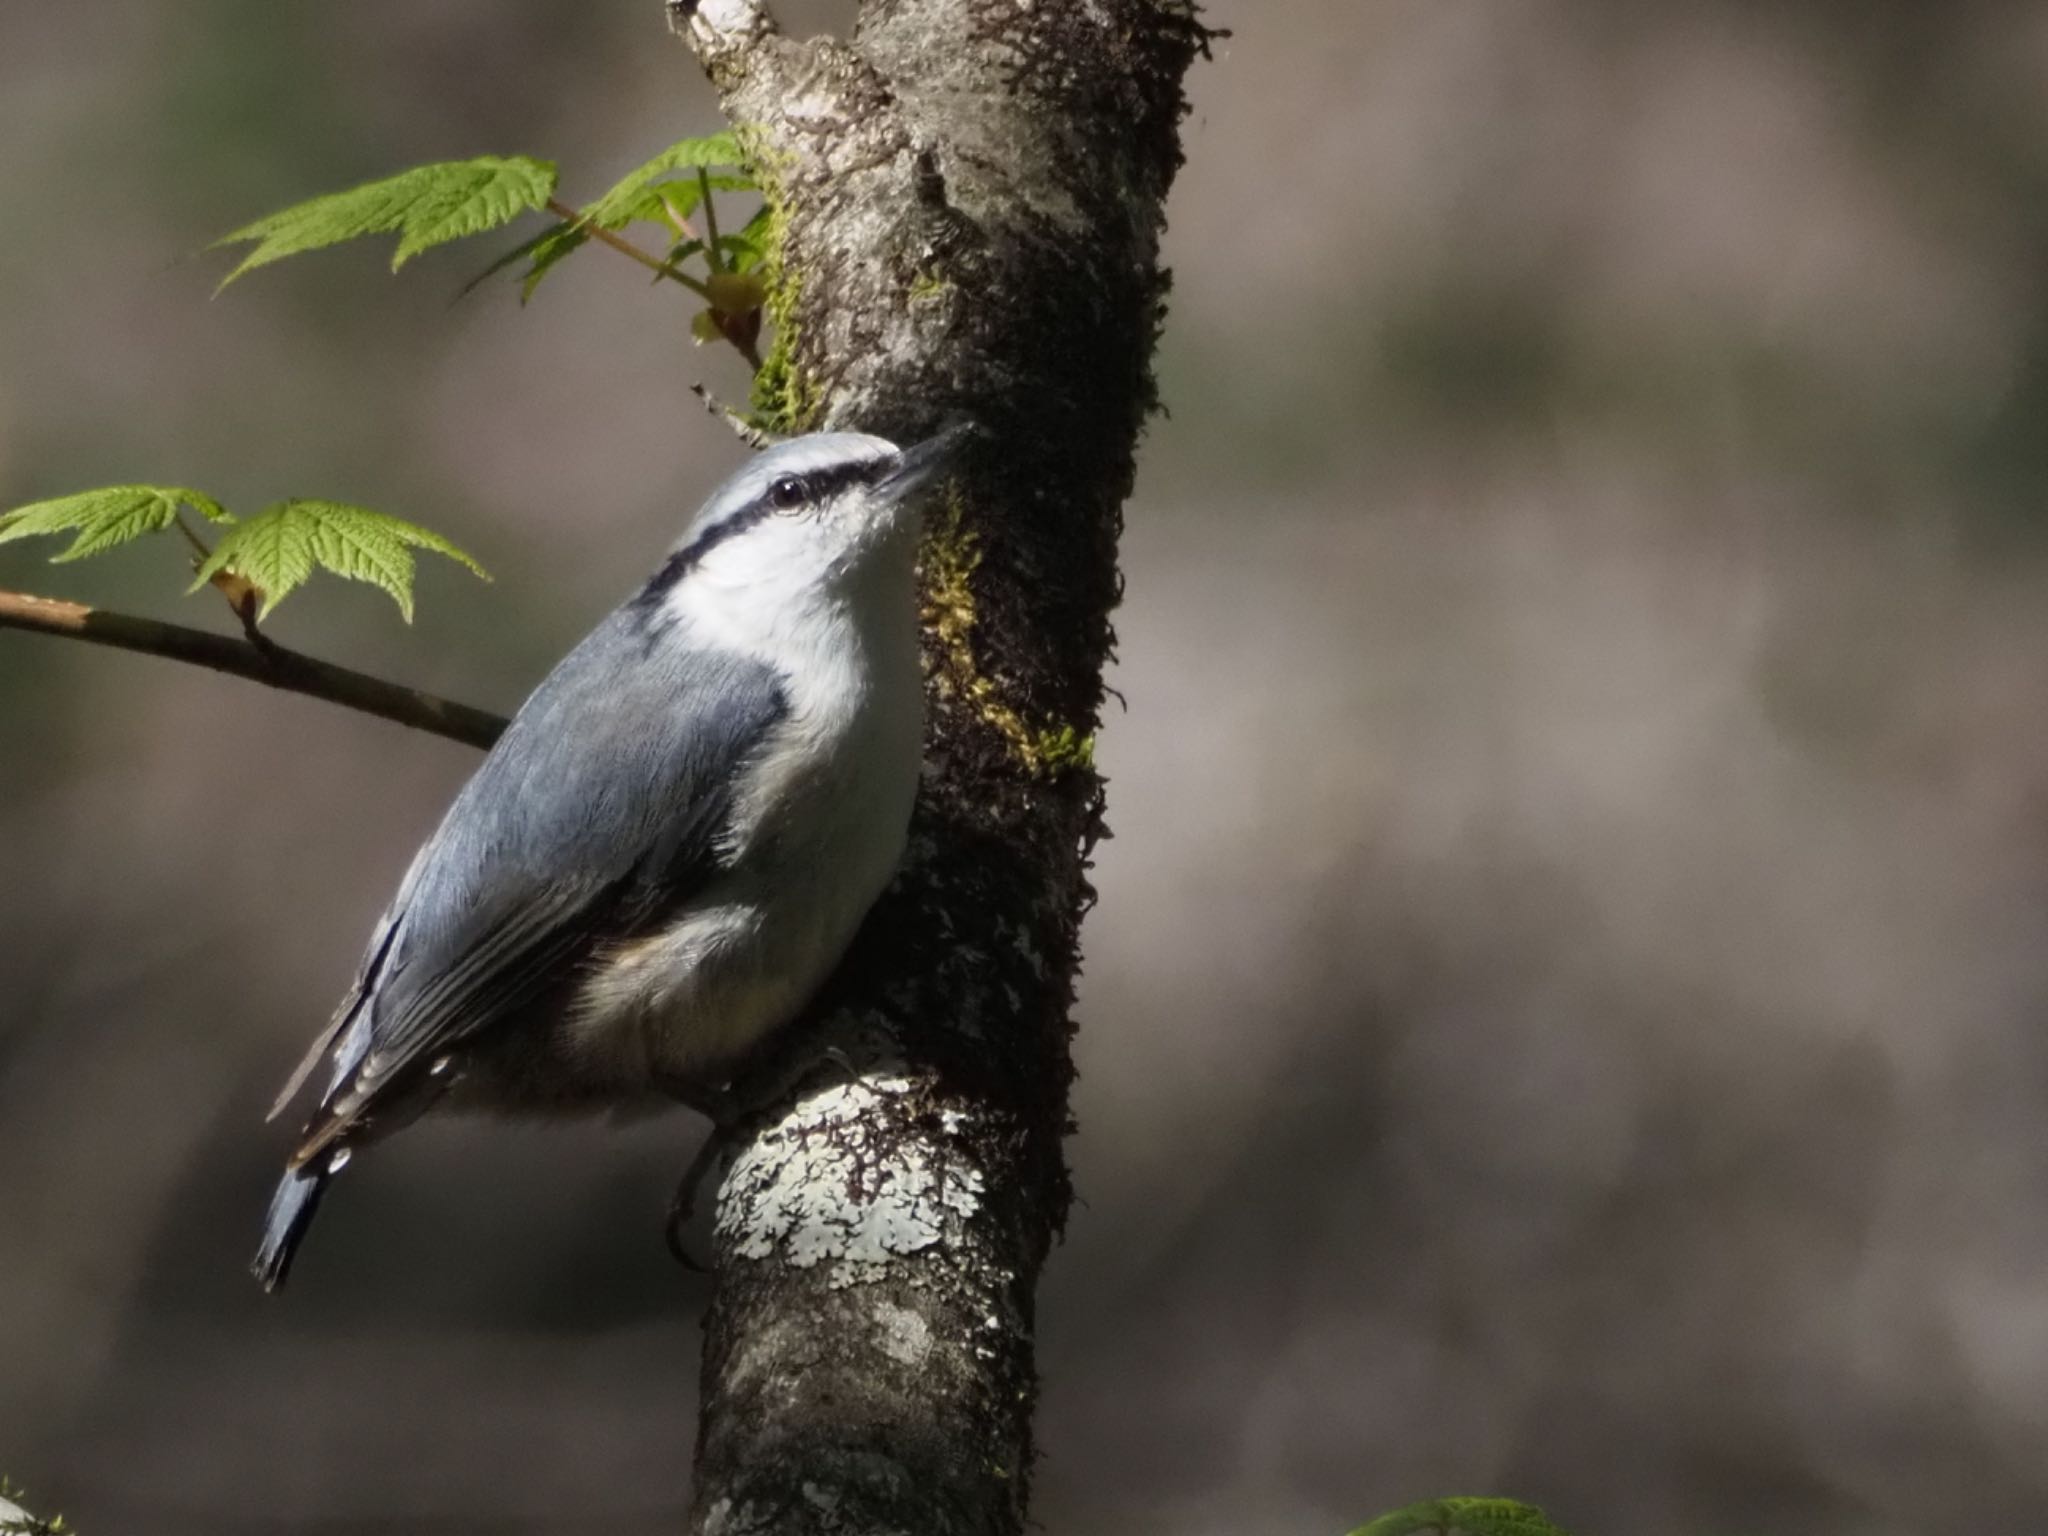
[730, 1110]
[682, 1204]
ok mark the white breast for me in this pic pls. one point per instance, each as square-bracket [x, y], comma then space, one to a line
[813, 841]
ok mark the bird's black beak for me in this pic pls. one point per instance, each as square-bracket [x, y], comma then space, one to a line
[917, 464]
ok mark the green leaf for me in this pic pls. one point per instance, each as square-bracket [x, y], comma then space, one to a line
[425, 206]
[654, 193]
[630, 191]
[1473, 1517]
[277, 549]
[655, 203]
[652, 202]
[658, 202]
[747, 248]
[112, 515]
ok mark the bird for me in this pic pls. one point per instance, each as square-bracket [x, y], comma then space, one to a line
[675, 839]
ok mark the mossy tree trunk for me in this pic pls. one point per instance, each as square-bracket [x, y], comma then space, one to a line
[968, 199]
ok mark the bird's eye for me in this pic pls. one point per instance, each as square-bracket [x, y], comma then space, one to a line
[786, 494]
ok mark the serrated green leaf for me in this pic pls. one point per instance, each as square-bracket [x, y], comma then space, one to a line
[277, 550]
[205, 505]
[708, 153]
[493, 198]
[272, 552]
[658, 203]
[653, 202]
[1471, 1517]
[111, 515]
[425, 206]
[653, 193]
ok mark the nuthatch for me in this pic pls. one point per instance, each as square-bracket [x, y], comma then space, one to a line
[673, 842]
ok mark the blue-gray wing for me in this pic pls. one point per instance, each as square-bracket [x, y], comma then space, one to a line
[597, 812]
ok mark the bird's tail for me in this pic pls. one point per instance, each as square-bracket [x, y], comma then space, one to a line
[291, 1212]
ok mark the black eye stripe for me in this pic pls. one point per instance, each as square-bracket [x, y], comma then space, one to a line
[823, 484]
[818, 486]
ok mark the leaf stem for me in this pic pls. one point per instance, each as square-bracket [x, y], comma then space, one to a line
[268, 663]
[712, 258]
[199, 545]
[654, 264]
[243, 610]
[625, 247]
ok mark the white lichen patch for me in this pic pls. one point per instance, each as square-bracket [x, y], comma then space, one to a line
[826, 1186]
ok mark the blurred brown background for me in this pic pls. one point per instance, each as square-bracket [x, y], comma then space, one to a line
[1564, 1016]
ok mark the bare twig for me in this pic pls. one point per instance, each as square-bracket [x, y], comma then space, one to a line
[271, 665]
[754, 437]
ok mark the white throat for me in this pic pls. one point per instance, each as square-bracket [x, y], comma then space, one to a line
[827, 640]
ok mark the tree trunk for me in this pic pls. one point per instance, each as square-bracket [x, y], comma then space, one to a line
[967, 203]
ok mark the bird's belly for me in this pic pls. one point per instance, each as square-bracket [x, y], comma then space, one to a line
[684, 1000]
[692, 999]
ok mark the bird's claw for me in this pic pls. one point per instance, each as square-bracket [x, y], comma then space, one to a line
[682, 1204]
[727, 1109]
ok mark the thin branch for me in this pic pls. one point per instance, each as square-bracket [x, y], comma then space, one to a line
[625, 247]
[271, 665]
[754, 437]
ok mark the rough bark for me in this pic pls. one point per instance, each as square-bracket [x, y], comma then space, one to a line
[968, 202]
